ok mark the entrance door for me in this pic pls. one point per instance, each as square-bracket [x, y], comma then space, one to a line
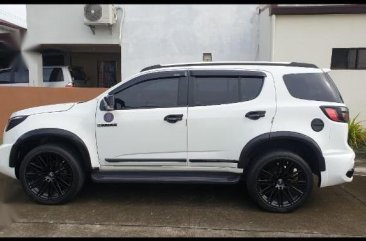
[148, 126]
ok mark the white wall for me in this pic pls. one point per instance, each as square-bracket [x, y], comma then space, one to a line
[265, 36]
[310, 38]
[157, 34]
[64, 24]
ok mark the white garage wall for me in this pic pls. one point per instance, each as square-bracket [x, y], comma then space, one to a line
[310, 38]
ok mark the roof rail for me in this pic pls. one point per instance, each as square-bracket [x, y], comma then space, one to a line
[292, 64]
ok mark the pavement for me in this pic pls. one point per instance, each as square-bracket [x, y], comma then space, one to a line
[181, 210]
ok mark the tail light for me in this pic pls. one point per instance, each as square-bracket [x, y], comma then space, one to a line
[336, 113]
[69, 85]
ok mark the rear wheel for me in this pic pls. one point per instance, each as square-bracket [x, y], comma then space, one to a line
[51, 174]
[280, 181]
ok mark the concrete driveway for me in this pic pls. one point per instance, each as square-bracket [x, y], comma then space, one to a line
[145, 210]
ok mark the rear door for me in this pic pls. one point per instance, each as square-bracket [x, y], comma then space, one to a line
[226, 110]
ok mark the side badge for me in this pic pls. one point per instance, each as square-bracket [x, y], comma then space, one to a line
[108, 117]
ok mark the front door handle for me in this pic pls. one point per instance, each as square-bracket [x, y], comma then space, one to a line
[255, 115]
[173, 118]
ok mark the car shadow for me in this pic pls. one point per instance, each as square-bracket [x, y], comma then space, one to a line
[167, 194]
[233, 196]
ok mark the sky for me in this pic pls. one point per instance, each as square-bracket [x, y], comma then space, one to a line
[14, 13]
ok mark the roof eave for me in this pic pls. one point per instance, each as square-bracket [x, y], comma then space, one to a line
[275, 9]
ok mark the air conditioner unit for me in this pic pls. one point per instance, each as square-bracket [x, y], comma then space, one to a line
[99, 14]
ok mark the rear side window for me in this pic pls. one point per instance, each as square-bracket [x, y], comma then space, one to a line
[213, 90]
[312, 86]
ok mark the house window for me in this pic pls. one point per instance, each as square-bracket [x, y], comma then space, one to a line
[348, 58]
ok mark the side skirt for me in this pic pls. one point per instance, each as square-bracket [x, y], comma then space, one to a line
[198, 177]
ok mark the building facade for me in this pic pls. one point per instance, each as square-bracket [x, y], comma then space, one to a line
[148, 35]
[329, 36]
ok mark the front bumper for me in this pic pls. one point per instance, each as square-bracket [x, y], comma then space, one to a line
[338, 167]
[4, 161]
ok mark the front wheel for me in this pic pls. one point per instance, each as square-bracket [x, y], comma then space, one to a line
[280, 181]
[51, 174]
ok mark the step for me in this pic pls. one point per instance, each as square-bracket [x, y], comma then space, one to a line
[198, 177]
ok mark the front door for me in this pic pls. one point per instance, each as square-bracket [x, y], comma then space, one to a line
[148, 126]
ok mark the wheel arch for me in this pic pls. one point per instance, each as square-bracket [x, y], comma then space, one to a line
[31, 139]
[293, 141]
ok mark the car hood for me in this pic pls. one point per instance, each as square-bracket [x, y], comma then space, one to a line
[44, 109]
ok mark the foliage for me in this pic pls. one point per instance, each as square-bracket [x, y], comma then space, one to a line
[356, 134]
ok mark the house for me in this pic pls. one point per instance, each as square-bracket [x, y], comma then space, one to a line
[142, 35]
[329, 36]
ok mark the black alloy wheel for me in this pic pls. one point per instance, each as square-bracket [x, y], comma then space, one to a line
[50, 174]
[280, 181]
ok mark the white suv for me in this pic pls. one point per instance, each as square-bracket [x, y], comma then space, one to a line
[272, 125]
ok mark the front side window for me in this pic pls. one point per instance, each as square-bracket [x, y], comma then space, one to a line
[52, 75]
[156, 93]
[213, 90]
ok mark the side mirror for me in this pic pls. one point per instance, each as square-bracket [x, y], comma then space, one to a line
[108, 102]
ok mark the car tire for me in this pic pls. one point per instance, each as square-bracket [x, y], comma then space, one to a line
[51, 174]
[279, 181]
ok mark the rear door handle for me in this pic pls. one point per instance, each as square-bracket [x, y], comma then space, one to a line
[255, 115]
[173, 118]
